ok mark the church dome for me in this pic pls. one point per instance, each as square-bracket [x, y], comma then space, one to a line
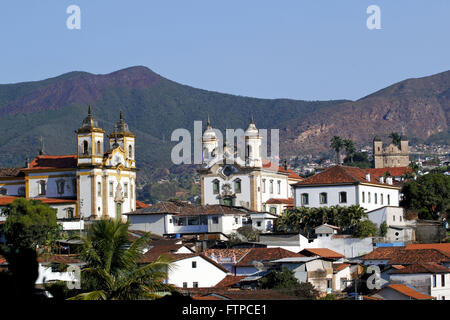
[209, 133]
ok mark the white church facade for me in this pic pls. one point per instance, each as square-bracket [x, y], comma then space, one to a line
[90, 185]
[252, 182]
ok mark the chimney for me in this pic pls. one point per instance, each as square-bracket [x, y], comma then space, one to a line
[368, 177]
[381, 179]
[389, 180]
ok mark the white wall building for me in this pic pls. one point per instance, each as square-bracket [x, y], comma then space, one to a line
[89, 185]
[346, 186]
[243, 180]
[399, 229]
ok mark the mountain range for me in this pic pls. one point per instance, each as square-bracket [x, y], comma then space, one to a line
[154, 106]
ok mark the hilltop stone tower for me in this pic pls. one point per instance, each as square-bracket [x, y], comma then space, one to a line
[392, 155]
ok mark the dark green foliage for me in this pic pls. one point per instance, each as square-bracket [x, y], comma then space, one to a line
[113, 271]
[29, 223]
[305, 219]
[396, 138]
[365, 228]
[337, 144]
[360, 160]
[383, 229]
[275, 279]
[429, 195]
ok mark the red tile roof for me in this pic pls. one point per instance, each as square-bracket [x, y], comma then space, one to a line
[269, 165]
[229, 281]
[289, 201]
[382, 253]
[394, 172]
[341, 175]
[188, 209]
[45, 162]
[225, 294]
[443, 247]
[10, 172]
[409, 292]
[5, 200]
[422, 268]
[140, 204]
[230, 255]
[340, 266]
[404, 257]
[321, 252]
[265, 254]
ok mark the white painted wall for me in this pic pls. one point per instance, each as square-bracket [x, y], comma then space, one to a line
[206, 274]
[349, 247]
[417, 280]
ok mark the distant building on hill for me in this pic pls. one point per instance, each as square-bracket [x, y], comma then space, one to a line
[392, 155]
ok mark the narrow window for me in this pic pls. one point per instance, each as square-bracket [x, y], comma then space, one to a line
[99, 189]
[70, 213]
[363, 197]
[279, 187]
[323, 198]
[195, 284]
[99, 151]
[237, 186]
[216, 186]
[381, 198]
[130, 151]
[258, 224]
[125, 190]
[264, 185]
[368, 197]
[184, 284]
[215, 220]
[85, 147]
[376, 198]
[389, 199]
[343, 197]
[194, 264]
[271, 186]
[42, 188]
[305, 199]
[111, 188]
[434, 281]
[273, 210]
[442, 280]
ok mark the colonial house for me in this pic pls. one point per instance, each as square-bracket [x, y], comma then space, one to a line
[248, 180]
[188, 269]
[55, 268]
[399, 229]
[346, 186]
[172, 218]
[431, 278]
[263, 221]
[91, 184]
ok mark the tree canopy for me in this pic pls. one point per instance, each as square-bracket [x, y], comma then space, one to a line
[29, 223]
[429, 195]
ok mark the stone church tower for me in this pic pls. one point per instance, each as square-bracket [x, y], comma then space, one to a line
[392, 155]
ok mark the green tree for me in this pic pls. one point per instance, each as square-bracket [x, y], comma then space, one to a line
[29, 223]
[383, 229]
[350, 149]
[365, 228]
[275, 279]
[337, 144]
[113, 271]
[429, 195]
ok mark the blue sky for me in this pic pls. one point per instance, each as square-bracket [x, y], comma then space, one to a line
[300, 49]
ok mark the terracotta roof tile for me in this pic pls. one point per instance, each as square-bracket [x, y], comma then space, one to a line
[187, 209]
[339, 175]
[419, 256]
[321, 252]
[382, 253]
[265, 294]
[140, 204]
[269, 165]
[53, 162]
[443, 247]
[265, 254]
[394, 172]
[410, 292]
[59, 258]
[10, 172]
[340, 266]
[226, 255]
[229, 281]
[422, 268]
[289, 201]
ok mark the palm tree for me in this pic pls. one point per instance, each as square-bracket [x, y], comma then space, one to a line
[337, 144]
[396, 138]
[113, 271]
[349, 149]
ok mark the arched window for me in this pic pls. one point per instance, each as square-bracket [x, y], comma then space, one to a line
[41, 185]
[130, 151]
[271, 186]
[249, 151]
[99, 150]
[85, 147]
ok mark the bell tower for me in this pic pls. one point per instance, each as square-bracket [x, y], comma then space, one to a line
[209, 143]
[89, 142]
[121, 136]
[253, 143]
